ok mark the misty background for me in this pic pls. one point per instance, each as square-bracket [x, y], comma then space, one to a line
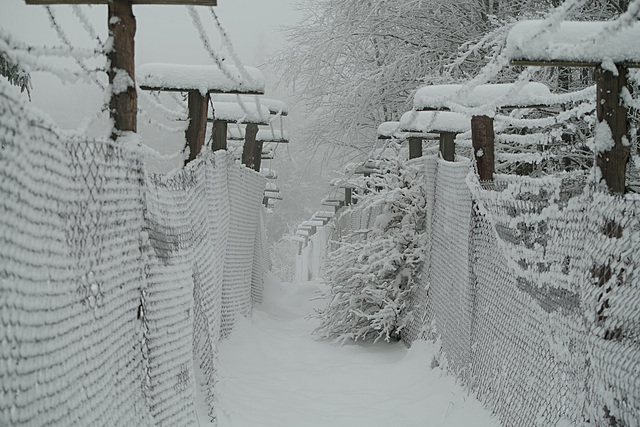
[166, 34]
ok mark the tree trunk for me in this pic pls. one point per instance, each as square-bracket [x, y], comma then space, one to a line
[123, 106]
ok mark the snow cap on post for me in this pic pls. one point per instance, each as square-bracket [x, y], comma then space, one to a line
[388, 130]
[268, 135]
[236, 113]
[573, 43]
[275, 106]
[438, 97]
[202, 78]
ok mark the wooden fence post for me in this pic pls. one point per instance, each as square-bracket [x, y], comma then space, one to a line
[250, 153]
[415, 147]
[258, 157]
[347, 195]
[219, 135]
[483, 139]
[195, 133]
[123, 105]
[447, 146]
[610, 109]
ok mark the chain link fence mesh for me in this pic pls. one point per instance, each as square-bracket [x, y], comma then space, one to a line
[116, 285]
[532, 288]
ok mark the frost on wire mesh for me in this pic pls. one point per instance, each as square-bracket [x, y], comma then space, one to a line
[541, 318]
[528, 339]
[246, 188]
[450, 295]
[427, 167]
[555, 294]
[71, 277]
[111, 280]
[178, 215]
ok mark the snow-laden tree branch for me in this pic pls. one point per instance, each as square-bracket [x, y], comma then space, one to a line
[372, 272]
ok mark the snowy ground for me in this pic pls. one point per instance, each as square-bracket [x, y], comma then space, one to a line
[272, 373]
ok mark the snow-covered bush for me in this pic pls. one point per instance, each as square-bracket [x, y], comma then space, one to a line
[371, 272]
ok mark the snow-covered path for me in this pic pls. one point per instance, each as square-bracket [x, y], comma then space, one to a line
[272, 373]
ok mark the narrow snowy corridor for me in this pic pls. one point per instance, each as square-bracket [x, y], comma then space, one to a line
[272, 373]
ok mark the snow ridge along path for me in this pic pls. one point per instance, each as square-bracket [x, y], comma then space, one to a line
[272, 373]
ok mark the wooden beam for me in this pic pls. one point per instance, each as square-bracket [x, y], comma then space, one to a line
[415, 147]
[166, 2]
[187, 89]
[219, 136]
[123, 105]
[447, 146]
[249, 152]
[195, 133]
[611, 109]
[483, 140]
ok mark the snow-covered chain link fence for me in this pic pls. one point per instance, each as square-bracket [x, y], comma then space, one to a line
[115, 286]
[532, 287]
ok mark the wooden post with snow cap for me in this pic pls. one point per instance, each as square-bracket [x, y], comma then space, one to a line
[252, 111]
[611, 53]
[263, 135]
[445, 123]
[123, 104]
[391, 130]
[491, 96]
[199, 81]
[248, 113]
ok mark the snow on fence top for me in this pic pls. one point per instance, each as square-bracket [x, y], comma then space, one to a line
[269, 173]
[246, 113]
[203, 78]
[584, 43]
[264, 135]
[434, 121]
[272, 186]
[388, 130]
[437, 97]
[275, 106]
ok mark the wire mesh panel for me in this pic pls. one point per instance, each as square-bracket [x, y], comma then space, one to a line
[71, 277]
[415, 330]
[450, 293]
[177, 224]
[542, 259]
[609, 277]
[112, 281]
[261, 260]
[245, 188]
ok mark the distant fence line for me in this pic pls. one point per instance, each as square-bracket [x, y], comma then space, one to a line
[532, 287]
[116, 285]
